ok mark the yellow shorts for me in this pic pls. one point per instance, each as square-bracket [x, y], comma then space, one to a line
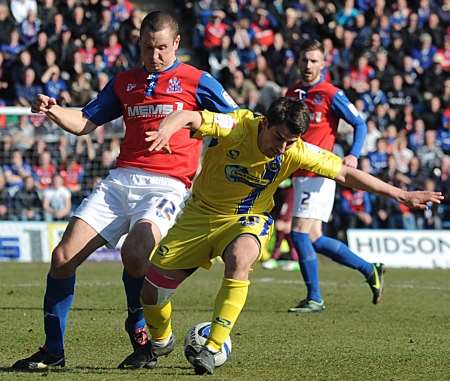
[197, 238]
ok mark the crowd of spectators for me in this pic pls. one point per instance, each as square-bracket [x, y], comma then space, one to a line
[392, 59]
[68, 50]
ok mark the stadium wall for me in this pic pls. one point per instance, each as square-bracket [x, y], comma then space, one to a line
[34, 242]
[402, 248]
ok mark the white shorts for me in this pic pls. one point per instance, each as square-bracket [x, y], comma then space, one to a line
[128, 195]
[314, 197]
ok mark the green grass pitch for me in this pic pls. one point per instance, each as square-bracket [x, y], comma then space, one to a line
[406, 337]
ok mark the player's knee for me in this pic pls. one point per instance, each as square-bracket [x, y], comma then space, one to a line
[62, 264]
[135, 256]
[238, 264]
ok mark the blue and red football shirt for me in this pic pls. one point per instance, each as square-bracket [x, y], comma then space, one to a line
[327, 104]
[144, 99]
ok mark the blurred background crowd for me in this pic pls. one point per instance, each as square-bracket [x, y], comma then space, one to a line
[392, 59]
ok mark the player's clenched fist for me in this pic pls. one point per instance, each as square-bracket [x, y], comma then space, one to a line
[42, 103]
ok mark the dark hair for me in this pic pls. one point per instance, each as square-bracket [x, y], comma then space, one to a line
[289, 111]
[310, 45]
[158, 20]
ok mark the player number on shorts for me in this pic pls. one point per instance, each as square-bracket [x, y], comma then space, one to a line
[304, 200]
[165, 209]
[249, 220]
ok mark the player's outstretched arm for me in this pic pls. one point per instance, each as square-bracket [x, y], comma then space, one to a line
[71, 120]
[170, 125]
[354, 178]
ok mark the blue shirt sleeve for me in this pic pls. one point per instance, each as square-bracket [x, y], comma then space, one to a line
[104, 107]
[344, 109]
[212, 96]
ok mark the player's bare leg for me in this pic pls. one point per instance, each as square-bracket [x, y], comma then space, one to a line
[239, 258]
[78, 242]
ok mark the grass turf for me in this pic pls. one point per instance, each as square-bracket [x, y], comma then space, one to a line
[404, 338]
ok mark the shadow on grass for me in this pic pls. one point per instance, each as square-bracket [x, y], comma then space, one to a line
[160, 370]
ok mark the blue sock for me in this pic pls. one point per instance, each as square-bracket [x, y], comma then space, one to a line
[340, 253]
[133, 288]
[57, 302]
[309, 266]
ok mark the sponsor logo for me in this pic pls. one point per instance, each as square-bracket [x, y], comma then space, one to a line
[163, 250]
[152, 110]
[174, 86]
[301, 93]
[233, 153]
[228, 99]
[223, 322]
[224, 121]
[130, 87]
[239, 174]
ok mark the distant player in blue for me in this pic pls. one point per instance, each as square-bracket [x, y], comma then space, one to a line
[314, 195]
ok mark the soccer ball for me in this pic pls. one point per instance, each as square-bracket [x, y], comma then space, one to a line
[197, 336]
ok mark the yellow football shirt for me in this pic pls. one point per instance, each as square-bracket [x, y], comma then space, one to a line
[236, 177]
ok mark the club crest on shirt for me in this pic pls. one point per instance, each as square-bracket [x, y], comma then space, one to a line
[174, 86]
[130, 87]
[318, 98]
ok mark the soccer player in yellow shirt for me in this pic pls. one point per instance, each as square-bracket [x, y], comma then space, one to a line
[227, 215]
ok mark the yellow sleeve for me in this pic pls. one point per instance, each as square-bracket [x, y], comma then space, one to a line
[219, 125]
[317, 160]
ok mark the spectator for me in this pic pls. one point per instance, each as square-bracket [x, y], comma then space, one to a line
[4, 199]
[378, 159]
[430, 154]
[416, 138]
[13, 47]
[72, 174]
[21, 8]
[361, 74]
[79, 25]
[120, 12]
[397, 97]
[443, 135]
[28, 89]
[215, 30]
[54, 86]
[45, 171]
[426, 52]
[288, 72]
[46, 12]
[356, 208]
[103, 28]
[131, 47]
[6, 24]
[402, 154]
[112, 51]
[433, 115]
[38, 51]
[29, 28]
[429, 218]
[81, 90]
[16, 172]
[57, 201]
[374, 97]
[55, 28]
[347, 15]
[268, 92]
[373, 134]
[241, 89]
[27, 205]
